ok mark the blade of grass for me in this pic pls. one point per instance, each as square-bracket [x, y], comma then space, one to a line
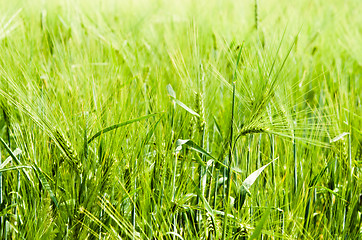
[16, 160]
[193, 146]
[13, 168]
[172, 95]
[115, 126]
[228, 187]
[45, 184]
[257, 232]
[245, 187]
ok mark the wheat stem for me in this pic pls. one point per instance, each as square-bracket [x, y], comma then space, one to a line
[229, 175]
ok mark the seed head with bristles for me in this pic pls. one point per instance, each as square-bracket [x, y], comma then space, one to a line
[69, 152]
[200, 109]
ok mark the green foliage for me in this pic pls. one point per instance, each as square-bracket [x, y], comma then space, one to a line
[180, 120]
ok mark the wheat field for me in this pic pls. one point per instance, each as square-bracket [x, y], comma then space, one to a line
[154, 119]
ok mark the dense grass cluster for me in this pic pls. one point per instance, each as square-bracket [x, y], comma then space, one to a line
[180, 119]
